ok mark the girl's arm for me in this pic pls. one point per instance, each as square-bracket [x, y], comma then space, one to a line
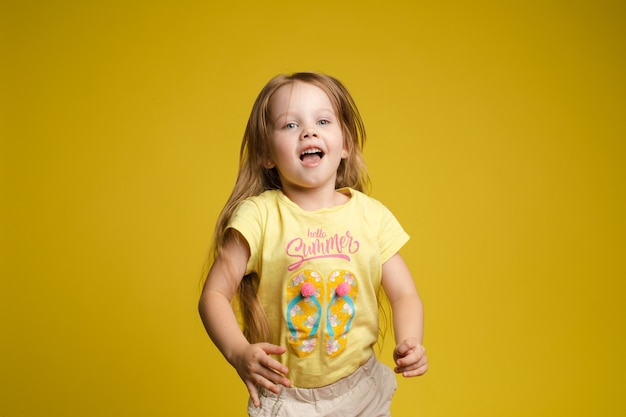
[408, 318]
[252, 361]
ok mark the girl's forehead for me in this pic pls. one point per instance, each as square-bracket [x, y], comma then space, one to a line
[298, 94]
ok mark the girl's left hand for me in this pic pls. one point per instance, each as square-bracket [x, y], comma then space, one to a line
[410, 358]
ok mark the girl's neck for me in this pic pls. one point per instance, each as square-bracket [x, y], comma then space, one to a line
[315, 199]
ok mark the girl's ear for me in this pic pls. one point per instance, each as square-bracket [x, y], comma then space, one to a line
[269, 164]
[345, 152]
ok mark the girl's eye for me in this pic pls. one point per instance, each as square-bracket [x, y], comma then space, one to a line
[323, 122]
[291, 125]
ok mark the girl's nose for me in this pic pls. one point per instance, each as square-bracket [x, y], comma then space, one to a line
[309, 132]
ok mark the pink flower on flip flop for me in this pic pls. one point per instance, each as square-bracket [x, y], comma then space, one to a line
[308, 345]
[310, 321]
[298, 279]
[295, 310]
[348, 309]
[333, 320]
[332, 346]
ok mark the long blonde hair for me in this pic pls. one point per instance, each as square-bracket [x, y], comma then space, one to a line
[254, 178]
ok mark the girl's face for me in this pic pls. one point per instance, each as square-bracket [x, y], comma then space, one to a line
[306, 143]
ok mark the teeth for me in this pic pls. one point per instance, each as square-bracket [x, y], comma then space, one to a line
[313, 150]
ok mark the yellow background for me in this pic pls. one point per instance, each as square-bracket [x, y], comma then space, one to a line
[496, 135]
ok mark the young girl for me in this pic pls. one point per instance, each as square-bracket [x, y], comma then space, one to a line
[307, 252]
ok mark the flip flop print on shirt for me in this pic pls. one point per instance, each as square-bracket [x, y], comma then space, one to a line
[304, 310]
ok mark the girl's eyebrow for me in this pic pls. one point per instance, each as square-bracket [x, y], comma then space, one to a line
[287, 113]
[278, 116]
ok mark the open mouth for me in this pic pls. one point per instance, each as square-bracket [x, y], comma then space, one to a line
[311, 155]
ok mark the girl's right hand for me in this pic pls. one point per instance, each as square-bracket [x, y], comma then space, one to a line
[256, 368]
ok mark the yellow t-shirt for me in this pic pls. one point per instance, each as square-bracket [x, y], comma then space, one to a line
[319, 273]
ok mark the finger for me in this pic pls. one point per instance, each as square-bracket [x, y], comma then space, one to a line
[405, 366]
[420, 370]
[271, 363]
[419, 366]
[274, 366]
[254, 394]
[404, 348]
[417, 356]
[273, 378]
[267, 372]
[259, 380]
[414, 349]
[271, 349]
[408, 360]
[269, 385]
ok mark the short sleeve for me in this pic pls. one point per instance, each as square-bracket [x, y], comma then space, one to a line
[247, 220]
[391, 236]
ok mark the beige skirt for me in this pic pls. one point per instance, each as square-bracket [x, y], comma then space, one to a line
[365, 393]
